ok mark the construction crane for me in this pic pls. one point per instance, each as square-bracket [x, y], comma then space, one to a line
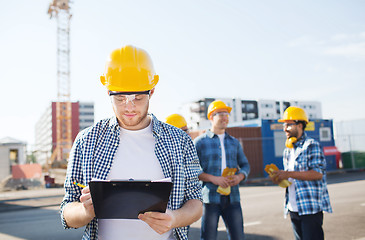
[60, 9]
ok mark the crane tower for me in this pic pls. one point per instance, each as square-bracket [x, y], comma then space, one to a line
[60, 10]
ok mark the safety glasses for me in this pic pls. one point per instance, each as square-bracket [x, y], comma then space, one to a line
[286, 125]
[225, 114]
[126, 97]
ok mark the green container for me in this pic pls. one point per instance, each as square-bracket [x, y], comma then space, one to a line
[359, 158]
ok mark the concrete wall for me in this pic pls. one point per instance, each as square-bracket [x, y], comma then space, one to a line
[4, 163]
[27, 171]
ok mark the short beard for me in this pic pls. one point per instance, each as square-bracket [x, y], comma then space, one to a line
[131, 124]
[134, 122]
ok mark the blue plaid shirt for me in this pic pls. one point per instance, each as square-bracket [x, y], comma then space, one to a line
[209, 152]
[93, 153]
[312, 196]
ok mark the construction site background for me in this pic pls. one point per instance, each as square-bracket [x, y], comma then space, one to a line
[34, 176]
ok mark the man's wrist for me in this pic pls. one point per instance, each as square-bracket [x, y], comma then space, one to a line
[289, 174]
[242, 176]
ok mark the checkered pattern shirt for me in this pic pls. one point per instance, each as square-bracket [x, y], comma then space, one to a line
[311, 196]
[93, 153]
[210, 155]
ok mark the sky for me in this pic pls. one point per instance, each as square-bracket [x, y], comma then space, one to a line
[275, 50]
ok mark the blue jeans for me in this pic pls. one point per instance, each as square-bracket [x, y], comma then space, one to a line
[307, 227]
[232, 217]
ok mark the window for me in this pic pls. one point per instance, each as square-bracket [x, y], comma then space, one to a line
[14, 156]
[244, 116]
[86, 113]
[86, 120]
[86, 106]
[325, 134]
[250, 107]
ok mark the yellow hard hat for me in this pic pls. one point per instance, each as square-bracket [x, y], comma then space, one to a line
[176, 120]
[295, 114]
[129, 69]
[215, 105]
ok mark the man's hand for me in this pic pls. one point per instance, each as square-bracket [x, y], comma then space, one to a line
[160, 222]
[78, 214]
[87, 202]
[235, 179]
[278, 176]
[190, 212]
[221, 181]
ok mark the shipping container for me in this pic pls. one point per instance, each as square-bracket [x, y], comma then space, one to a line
[250, 139]
[273, 141]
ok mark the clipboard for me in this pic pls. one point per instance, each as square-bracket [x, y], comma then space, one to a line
[127, 199]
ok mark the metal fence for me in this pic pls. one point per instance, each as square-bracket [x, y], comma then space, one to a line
[352, 148]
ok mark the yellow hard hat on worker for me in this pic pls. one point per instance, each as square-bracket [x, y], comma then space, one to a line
[215, 105]
[129, 69]
[295, 114]
[176, 120]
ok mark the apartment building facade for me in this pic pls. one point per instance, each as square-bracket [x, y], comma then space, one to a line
[246, 112]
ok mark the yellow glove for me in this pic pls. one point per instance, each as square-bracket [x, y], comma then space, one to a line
[226, 172]
[270, 169]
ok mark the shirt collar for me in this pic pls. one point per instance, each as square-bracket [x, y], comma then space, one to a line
[211, 134]
[113, 123]
[156, 126]
[301, 140]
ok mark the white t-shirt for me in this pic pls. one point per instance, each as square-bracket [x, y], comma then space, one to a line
[136, 159]
[292, 204]
[224, 161]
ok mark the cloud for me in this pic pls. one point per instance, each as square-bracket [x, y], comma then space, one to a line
[323, 67]
[340, 37]
[350, 46]
[350, 50]
[301, 41]
[348, 37]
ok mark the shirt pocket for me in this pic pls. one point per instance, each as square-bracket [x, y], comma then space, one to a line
[301, 163]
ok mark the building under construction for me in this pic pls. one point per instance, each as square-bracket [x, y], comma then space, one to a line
[82, 116]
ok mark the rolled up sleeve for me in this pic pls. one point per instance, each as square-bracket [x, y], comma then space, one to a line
[74, 173]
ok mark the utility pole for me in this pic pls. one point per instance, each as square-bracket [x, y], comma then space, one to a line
[60, 10]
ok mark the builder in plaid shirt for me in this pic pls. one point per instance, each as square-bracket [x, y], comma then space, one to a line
[305, 166]
[132, 144]
[218, 150]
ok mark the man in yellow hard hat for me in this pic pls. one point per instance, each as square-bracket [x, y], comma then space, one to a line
[178, 121]
[305, 166]
[132, 144]
[217, 151]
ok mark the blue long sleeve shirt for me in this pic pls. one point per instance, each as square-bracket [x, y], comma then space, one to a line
[311, 196]
[210, 156]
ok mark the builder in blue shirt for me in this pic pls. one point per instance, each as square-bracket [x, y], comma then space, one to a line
[218, 150]
[305, 167]
[132, 144]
